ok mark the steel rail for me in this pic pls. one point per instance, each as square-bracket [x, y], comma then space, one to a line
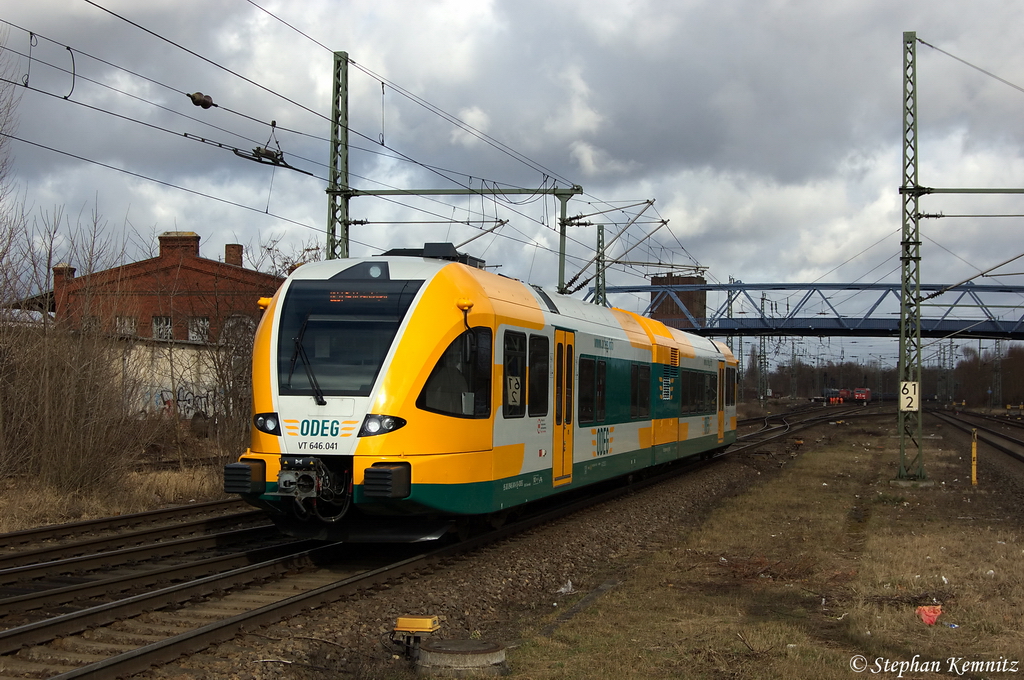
[39, 632]
[56, 531]
[179, 572]
[200, 638]
[986, 434]
[95, 546]
[134, 555]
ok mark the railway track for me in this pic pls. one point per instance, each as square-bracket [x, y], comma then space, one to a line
[1001, 434]
[780, 426]
[130, 633]
[122, 606]
[62, 579]
[113, 526]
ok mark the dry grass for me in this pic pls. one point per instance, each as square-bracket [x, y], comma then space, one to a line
[23, 506]
[825, 561]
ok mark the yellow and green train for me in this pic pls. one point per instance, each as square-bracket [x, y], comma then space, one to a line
[393, 395]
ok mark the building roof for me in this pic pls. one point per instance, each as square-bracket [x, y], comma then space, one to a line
[178, 262]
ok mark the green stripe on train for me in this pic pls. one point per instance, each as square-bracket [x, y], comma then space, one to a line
[493, 496]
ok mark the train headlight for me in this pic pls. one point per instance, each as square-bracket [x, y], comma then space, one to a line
[267, 422]
[376, 424]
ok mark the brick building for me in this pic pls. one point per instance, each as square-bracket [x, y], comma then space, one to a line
[184, 322]
[695, 301]
[177, 295]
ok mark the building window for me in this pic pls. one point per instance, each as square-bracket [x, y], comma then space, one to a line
[199, 329]
[238, 331]
[125, 325]
[162, 328]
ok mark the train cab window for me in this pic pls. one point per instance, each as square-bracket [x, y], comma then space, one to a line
[460, 383]
[335, 334]
[537, 377]
[640, 391]
[514, 383]
[711, 400]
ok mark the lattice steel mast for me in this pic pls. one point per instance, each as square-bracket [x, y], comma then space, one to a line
[910, 413]
[339, 192]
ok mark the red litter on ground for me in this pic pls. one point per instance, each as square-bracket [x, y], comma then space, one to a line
[929, 613]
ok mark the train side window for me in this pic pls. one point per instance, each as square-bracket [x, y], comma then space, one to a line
[559, 365]
[587, 391]
[640, 391]
[599, 406]
[634, 373]
[537, 376]
[569, 365]
[712, 396]
[730, 386]
[460, 383]
[514, 361]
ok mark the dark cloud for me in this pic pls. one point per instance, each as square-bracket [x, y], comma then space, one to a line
[768, 133]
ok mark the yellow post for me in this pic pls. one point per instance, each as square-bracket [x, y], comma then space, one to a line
[974, 457]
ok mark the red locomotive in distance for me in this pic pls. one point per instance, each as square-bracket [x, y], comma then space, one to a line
[862, 395]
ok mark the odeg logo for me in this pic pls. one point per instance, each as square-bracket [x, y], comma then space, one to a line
[324, 427]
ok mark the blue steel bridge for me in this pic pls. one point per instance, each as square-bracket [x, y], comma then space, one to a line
[823, 309]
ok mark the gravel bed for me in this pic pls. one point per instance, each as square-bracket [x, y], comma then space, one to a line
[494, 594]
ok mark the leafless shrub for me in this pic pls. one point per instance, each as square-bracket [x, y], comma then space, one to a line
[66, 418]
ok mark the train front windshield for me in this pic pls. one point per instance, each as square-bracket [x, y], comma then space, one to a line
[335, 334]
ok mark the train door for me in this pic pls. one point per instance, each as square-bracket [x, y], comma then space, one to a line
[722, 387]
[561, 464]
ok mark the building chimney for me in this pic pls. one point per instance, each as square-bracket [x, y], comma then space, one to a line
[179, 243]
[62, 274]
[233, 254]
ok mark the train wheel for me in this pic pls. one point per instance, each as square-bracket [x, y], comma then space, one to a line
[464, 528]
[496, 520]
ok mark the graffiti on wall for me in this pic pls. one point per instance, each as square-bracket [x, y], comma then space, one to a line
[185, 402]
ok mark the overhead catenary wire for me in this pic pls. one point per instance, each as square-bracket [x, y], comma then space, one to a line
[254, 83]
[446, 174]
[438, 111]
[188, 135]
[162, 182]
[425, 104]
[969, 64]
[220, 106]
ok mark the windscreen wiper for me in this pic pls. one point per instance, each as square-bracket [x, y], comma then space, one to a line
[300, 353]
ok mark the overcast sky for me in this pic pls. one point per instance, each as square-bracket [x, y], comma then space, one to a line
[768, 133]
